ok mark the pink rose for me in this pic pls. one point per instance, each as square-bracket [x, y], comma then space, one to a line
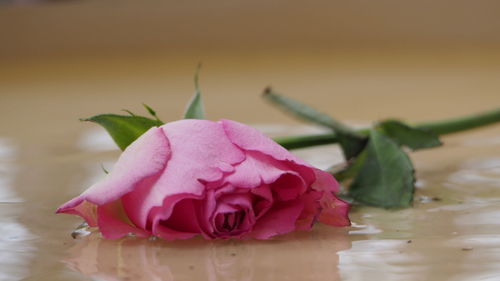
[218, 179]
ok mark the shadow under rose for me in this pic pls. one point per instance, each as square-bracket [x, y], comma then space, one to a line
[297, 256]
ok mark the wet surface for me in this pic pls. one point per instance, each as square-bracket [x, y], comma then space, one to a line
[47, 157]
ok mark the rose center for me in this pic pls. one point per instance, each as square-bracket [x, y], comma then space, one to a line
[227, 222]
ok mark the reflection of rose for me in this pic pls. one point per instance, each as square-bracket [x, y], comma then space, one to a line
[230, 261]
[219, 179]
[301, 256]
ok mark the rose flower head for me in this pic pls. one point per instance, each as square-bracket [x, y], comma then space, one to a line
[218, 179]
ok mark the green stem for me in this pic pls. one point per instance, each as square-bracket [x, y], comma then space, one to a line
[441, 127]
[455, 125]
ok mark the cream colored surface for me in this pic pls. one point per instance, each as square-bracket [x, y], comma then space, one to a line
[47, 157]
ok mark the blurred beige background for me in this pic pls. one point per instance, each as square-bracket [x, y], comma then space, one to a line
[108, 27]
[359, 60]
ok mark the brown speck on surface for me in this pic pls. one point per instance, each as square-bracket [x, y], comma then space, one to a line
[191, 267]
[409, 241]
[467, 249]
[233, 254]
[267, 91]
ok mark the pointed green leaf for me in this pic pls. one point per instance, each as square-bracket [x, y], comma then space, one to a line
[386, 175]
[124, 129]
[406, 135]
[129, 112]
[351, 142]
[195, 108]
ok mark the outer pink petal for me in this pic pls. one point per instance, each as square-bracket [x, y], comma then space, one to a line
[86, 210]
[250, 139]
[113, 222]
[280, 219]
[334, 210]
[311, 211]
[144, 158]
[201, 152]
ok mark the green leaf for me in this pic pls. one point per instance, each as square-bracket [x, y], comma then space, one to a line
[386, 175]
[406, 135]
[351, 142]
[122, 128]
[195, 108]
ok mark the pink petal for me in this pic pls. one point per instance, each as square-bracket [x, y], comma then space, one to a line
[263, 200]
[144, 158]
[255, 170]
[86, 210]
[311, 211]
[279, 220]
[335, 211]
[288, 186]
[113, 222]
[204, 211]
[201, 153]
[258, 169]
[134, 200]
[229, 205]
[250, 139]
[182, 223]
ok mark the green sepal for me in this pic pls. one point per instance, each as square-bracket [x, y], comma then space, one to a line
[195, 109]
[152, 112]
[124, 129]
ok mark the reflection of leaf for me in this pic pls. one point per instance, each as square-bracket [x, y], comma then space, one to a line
[124, 129]
[351, 142]
[406, 135]
[386, 175]
[195, 107]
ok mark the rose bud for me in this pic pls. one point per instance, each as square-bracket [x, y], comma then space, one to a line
[218, 179]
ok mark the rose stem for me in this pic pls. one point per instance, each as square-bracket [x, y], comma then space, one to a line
[441, 127]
